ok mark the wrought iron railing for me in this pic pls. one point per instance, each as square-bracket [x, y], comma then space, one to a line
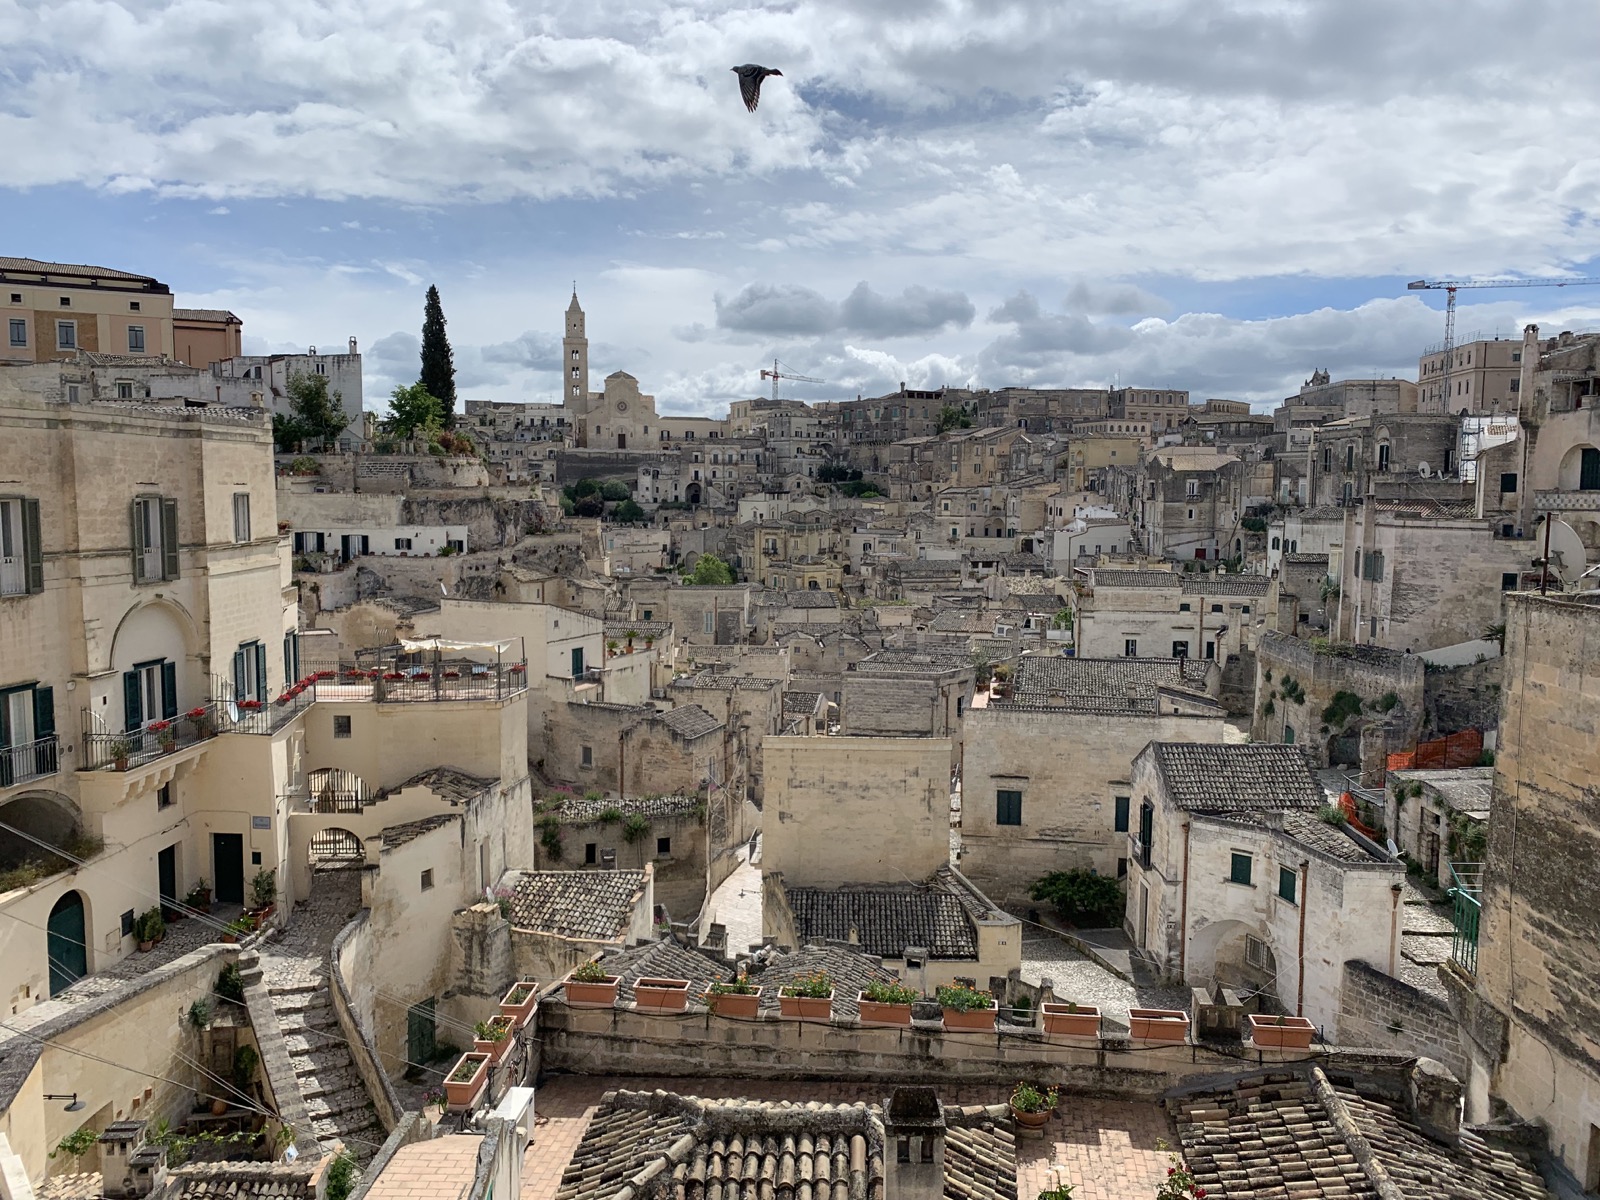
[105, 750]
[1466, 895]
[31, 760]
[395, 681]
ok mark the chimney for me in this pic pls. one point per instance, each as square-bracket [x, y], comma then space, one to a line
[913, 1128]
[1434, 1095]
[352, 346]
[312, 351]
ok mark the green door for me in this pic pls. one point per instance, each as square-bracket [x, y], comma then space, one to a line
[65, 942]
[421, 1027]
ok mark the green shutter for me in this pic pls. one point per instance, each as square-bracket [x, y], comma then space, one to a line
[44, 712]
[261, 672]
[138, 543]
[1241, 869]
[1286, 884]
[169, 539]
[238, 674]
[32, 546]
[169, 690]
[132, 708]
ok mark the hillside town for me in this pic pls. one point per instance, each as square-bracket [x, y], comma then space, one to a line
[1068, 793]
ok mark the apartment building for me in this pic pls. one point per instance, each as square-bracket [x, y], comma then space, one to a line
[1482, 375]
[53, 310]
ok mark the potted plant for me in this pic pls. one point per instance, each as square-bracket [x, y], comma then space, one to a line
[493, 1037]
[649, 642]
[466, 1079]
[1280, 1032]
[630, 635]
[1032, 1107]
[590, 987]
[121, 749]
[966, 1007]
[520, 1001]
[263, 891]
[240, 927]
[740, 998]
[884, 1003]
[151, 929]
[1071, 1020]
[166, 736]
[807, 999]
[201, 719]
[661, 995]
[1158, 1024]
[199, 897]
[611, 648]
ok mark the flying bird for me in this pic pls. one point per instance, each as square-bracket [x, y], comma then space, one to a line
[750, 77]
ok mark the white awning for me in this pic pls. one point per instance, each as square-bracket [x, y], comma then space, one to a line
[423, 645]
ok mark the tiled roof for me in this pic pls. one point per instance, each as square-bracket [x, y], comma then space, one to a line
[35, 266]
[597, 905]
[1022, 562]
[664, 959]
[801, 704]
[1306, 560]
[580, 810]
[690, 721]
[911, 662]
[980, 1153]
[448, 783]
[850, 969]
[205, 314]
[886, 918]
[1331, 840]
[658, 1144]
[725, 682]
[1270, 1136]
[1135, 579]
[1265, 776]
[808, 598]
[398, 835]
[1045, 675]
[241, 1181]
[1226, 585]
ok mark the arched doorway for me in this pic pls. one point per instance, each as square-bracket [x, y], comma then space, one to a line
[692, 494]
[336, 848]
[66, 942]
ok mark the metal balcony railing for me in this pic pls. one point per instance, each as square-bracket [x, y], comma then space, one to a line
[105, 750]
[29, 761]
[1466, 894]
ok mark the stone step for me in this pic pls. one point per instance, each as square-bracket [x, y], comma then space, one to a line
[315, 1084]
[302, 1043]
[330, 1056]
[333, 1105]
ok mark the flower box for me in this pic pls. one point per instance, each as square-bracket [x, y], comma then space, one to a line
[393, 676]
[249, 705]
[496, 1048]
[874, 1012]
[806, 1008]
[1281, 1033]
[1158, 1024]
[745, 1006]
[1071, 1020]
[520, 1002]
[452, 674]
[661, 995]
[600, 993]
[972, 1018]
[466, 1079]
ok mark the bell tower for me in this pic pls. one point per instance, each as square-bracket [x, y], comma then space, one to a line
[575, 371]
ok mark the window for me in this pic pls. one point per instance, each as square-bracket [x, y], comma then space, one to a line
[1121, 817]
[664, 845]
[135, 339]
[149, 693]
[1383, 456]
[709, 620]
[1122, 868]
[66, 335]
[1007, 807]
[1147, 834]
[1185, 607]
[1216, 608]
[28, 747]
[1508, 481]
[1327, 458]
[590, 852]
[1192, 488]
[1239, 872]
[1372, 566]
[155, 539]
[1288, 735]
[124, 389]
[1130, 648]
[1256, 954]
[1350, 458]
[19, 332]
[427, 879]
[16, 297]
[1508, 581]
[1274, 543]
[164, 796]
[402, 543]
[250, 672]
[241, 516]
[21, 554]
[1180, 649]
[66, 302]
[133, 306]
[341, 726]
[1286, 884]
[1245, 609]
[588, 756]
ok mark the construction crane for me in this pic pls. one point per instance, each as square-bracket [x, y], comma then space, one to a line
[1449, 286]
[775, 376]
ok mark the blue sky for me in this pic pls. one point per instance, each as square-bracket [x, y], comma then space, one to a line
[1221, 195]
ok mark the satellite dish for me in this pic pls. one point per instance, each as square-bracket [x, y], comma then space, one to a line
[233, 712]
[1424, 470]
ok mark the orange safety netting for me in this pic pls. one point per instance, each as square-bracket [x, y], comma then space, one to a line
[1463, 749]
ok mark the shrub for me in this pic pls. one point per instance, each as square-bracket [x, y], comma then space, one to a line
[76, 1143]
[610, 816]
[1387, 702]
[1341, 708]
[152, 928]
[1081, 897]
[1332, 814]
[263, 887]
[341, 1178]
[882, 992]
[738, 987]
[1029, 1099]
[230, 984]
[816, 986]
[590, 972]
[963, 999]
[635, 828]
[200, 1013]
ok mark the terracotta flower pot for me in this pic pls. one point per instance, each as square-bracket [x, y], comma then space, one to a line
[460, 1092]
[591, 995]
[874, 1012]
[1031, 1120]
[661, 995]
[520, 1002]
[806, 1008]
[1158, 1024]
[218, 1107]
[977, 1018]
[732, 1004]
[1071, 1020]
[1281, 1033]
[496, 1050]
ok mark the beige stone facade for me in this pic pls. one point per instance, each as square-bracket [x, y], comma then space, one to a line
[54, 310]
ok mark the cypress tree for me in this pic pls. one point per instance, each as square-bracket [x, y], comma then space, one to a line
[438, 363]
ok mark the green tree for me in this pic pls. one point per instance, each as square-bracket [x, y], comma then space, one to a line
[615, 491]
[628, 511]
[315, 417]
[413, 411]
[438, 363]
[952, 418]
[1081, 897]
[709, 569]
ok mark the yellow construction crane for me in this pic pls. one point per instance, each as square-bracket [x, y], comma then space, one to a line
[1449, 286]
[775, 376]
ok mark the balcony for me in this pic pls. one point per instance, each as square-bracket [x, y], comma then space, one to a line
[1581, 501]
[130, 749]
[30, 761]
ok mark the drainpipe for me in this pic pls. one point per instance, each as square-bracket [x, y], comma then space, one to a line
[1394, 926]
[622, 764]
[1305, 899]
[1183, 912]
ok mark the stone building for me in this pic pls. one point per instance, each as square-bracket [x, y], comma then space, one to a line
[1235, 879]
[269, 374]
[907, 693]
[1171, 614]
[1483, 376]
[599, 833]
[54, 310]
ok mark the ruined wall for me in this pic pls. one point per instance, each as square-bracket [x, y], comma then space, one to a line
[1378, 1010]
[1465, 697]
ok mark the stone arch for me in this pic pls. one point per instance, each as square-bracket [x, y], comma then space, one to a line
[335, 847]
[692, 494]
[333, 790]
[1580, 466]
[67, 940]
[48, 816]
[161, 620]
[1222, 951]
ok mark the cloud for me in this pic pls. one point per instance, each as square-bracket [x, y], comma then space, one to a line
[533, 351]
[220, 210]
[792, 310]
[1116, 299]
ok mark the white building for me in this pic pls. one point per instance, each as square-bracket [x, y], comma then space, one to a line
[235, 380]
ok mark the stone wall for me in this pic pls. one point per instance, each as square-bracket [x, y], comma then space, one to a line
[1465, 697]
[352, 950]
[1376, 1009]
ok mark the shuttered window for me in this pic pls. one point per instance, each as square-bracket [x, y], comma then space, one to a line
[21, 551]
[1007, 807]
[155, 539]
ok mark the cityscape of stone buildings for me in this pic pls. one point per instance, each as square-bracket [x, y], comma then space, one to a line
[376, 822]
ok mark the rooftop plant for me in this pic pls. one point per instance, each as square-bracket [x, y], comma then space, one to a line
[590, 972]
[963, 999]
[816, 986]
[881, 991]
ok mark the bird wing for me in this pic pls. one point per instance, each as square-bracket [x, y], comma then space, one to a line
[750, 88]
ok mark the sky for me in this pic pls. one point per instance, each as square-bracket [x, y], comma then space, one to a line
[1218, 195]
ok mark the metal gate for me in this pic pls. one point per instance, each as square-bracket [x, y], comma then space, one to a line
[337, 846]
